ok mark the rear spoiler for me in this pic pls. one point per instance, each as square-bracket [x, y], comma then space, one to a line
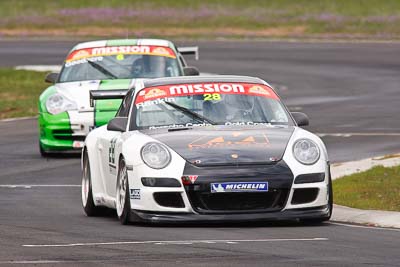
[189, 50]
[106, 94]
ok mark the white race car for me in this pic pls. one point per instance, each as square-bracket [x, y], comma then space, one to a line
[205, 149]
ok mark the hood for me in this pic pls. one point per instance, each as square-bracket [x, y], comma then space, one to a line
[79, 91]
[227, 145]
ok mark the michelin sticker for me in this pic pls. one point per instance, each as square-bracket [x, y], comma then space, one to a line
[239, 187]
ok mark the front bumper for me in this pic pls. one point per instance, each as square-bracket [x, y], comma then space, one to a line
[195, 203]
[286, 215]
[67, 131]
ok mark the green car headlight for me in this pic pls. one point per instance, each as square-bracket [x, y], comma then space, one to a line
[58, 103]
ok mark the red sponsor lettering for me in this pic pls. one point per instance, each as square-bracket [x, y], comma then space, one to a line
[116, 50]
[153, 93]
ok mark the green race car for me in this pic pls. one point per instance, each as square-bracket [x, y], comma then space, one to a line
[65, 113]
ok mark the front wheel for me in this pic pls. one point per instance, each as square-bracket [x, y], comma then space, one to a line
[123, 203]
[87, 194]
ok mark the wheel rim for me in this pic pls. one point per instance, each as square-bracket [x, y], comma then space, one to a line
[85, 183]
[121, 191]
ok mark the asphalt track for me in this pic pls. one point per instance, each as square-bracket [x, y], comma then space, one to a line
[349, 91]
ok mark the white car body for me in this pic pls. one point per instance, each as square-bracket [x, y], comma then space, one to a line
[105, 148]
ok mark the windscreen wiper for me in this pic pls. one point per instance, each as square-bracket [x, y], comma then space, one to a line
[189, 112]
[102, 69]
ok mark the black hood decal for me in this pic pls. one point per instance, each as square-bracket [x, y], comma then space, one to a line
[226, 145]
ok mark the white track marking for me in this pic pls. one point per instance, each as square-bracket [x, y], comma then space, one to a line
[356, 134]
[295, 108]
[45, 68]
[365, 226]
[34, 262]
[37, 185]
[176, 242]
[18, 119]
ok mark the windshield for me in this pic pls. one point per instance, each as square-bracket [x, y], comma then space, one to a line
[192, 105]
[120, 62]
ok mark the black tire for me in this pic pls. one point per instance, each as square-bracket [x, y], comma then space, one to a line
[123, 203]
[87, 194]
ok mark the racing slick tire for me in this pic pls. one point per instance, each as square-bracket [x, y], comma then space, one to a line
[87, 195]
[123, 203]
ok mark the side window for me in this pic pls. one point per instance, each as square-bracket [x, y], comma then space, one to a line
[125, 105]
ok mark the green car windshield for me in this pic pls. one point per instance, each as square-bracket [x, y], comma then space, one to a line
[194, 105]
[120, 62]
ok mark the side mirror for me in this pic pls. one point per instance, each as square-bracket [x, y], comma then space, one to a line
[300, 118]
[190, 71]
[117, 124]
[51, 77]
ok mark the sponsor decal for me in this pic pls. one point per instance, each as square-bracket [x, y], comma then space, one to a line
[239, 187]
[155, 102]
[186, 89]
[120, 51]
[81, 61]
[189, 179]
[235, 139]
[256, 89]
[135, 193]
[111, 151]
[210, 91]
[154, 93]
[80, 54]
[161, 51]
[174, 126]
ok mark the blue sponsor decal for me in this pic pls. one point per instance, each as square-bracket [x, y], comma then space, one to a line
[239, 187]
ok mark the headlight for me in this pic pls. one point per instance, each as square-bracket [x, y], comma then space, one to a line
[155, 155]
[306, 151]
[58, 103]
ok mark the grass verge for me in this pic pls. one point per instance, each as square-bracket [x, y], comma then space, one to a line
[207, 18]
[19, 92]
[377, 188]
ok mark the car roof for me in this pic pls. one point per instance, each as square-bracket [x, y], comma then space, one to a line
[203, 79]
[123, 42]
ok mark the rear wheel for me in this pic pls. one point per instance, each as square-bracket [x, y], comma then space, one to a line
[87, 194]
[123, 204]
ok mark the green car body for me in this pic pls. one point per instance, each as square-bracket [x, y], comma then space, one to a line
[65, 114]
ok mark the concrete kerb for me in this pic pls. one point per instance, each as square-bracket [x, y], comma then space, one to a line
[368, 217]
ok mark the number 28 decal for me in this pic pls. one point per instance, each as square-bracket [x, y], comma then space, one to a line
[209, 97]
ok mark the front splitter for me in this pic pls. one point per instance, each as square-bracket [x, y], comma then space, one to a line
[319, 213]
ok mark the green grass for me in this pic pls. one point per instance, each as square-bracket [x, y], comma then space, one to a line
[377, 188]
[19, 92]
[211, 18]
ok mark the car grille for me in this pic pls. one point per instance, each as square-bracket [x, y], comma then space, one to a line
[207, 202]
[67, 135]
[278, 176]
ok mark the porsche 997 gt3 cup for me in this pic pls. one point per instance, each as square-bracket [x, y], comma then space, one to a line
[65, 116]
[218, 148]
